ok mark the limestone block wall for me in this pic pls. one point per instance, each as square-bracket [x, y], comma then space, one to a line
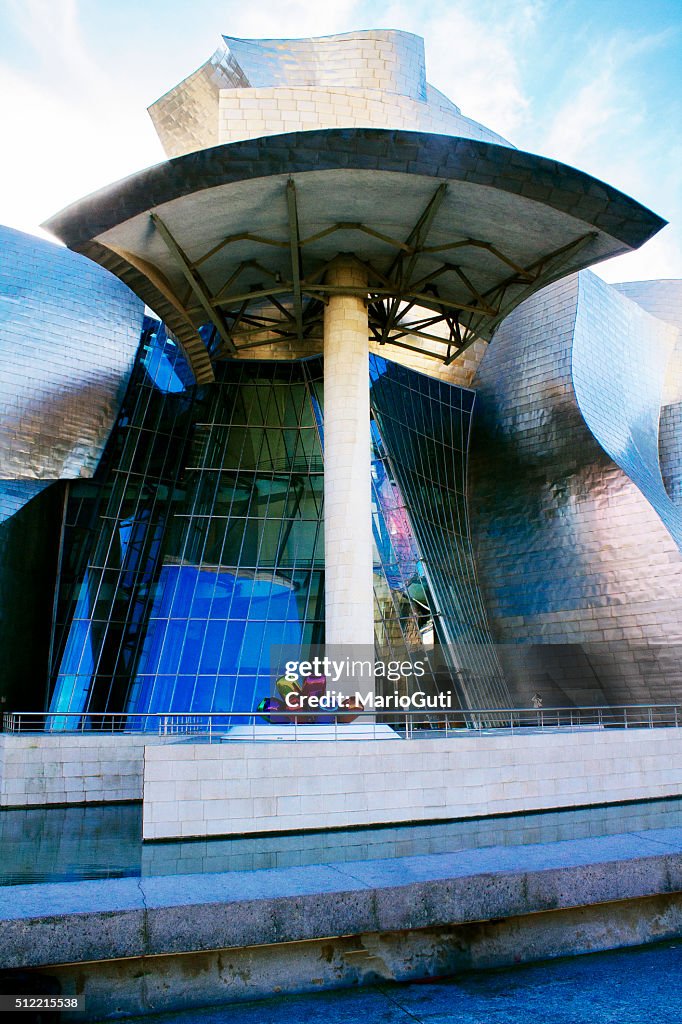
[228, 788]
[41, 769]
[247, 113]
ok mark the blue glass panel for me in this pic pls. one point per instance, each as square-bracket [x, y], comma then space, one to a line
[78, 664]
[164, 363]
[201, 550]
[181, 636]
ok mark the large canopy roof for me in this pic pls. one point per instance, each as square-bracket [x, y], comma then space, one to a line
[453, 232]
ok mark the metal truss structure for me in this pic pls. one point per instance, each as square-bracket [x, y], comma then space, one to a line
[404, 299]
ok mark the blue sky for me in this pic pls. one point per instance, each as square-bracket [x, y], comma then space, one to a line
[595, 83]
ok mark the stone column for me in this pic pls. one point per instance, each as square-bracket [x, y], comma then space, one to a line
[349, 611]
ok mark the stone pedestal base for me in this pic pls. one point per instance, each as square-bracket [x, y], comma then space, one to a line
[309, 733]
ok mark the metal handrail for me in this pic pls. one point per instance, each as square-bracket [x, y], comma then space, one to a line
[407, 723]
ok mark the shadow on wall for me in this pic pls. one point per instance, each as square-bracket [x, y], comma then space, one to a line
[29, 545]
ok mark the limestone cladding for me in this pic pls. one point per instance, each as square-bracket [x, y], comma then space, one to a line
[228, 788]
[39, 770]
[349, 612]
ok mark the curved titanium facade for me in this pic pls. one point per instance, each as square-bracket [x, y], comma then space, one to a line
[582, 578]
[254, 87]
[663, 299]
[69, 333]
[621, 356]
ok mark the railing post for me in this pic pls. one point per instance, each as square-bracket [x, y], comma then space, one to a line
[476, 720]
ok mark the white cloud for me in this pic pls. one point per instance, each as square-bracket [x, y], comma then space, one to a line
[659, 258]
[76, 120]
[603, 101]
[74, 114]
[52, 35]
[473, 54]
[60, 151]
[605, 127]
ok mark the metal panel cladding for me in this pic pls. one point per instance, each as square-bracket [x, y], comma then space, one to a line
[581, 574]
[69, 331]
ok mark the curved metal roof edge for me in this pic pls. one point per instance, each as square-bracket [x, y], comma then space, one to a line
[453, 158]
[187, 335]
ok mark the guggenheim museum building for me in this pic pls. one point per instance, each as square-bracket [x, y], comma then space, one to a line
[337, 372]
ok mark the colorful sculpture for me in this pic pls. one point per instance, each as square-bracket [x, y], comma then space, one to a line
[293, 695]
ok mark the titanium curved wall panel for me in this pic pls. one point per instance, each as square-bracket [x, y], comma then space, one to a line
[14, 494]
[385, 59]
[663, 299]
[620, 360]
[186, 117]
[250, 87]
[670, 424]
[582, 580]
[69, 332]
[670, 448]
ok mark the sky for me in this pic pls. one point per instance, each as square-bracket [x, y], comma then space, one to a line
[593, 83]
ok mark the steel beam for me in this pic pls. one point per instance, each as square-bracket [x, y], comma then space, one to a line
[295, 256]
[194, 281]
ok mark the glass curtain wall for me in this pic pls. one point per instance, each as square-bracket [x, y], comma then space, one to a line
[113, 530]
[424, 425]
[199, 545]
[243, 561]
